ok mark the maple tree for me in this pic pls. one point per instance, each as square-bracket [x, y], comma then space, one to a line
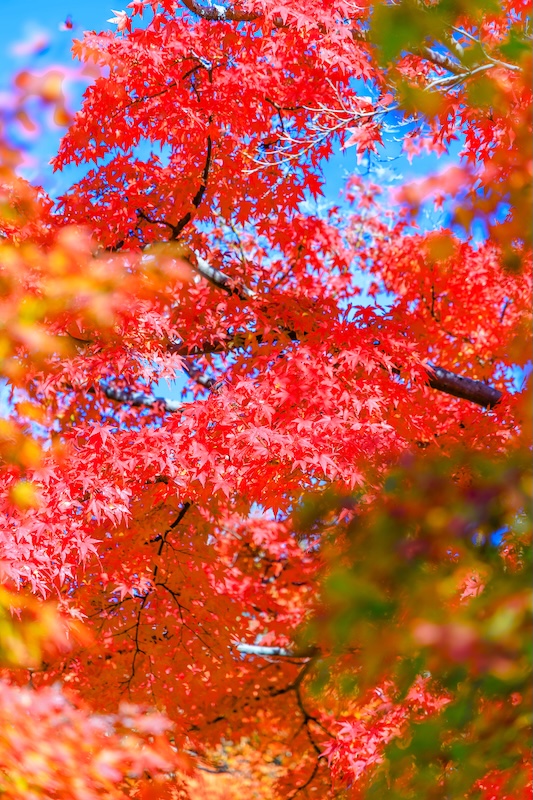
[310, 576]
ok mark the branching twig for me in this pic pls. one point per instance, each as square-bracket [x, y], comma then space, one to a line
[198, 197]
[143, 215]
[307, 782]
[163, 540]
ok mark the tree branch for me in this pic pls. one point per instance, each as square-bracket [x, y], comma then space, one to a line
[441, 60]
[147, 218]
[443, 380]
[438, 378]
[218, 13]
[202, 380]
[197, 199]
[220, 280]
[163, 539]
[465, 388]
[278, 652]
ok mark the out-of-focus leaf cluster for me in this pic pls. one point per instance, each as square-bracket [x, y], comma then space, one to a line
[433, 580]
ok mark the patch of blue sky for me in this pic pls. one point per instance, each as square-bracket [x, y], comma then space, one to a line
[496, 537]
[4, 398]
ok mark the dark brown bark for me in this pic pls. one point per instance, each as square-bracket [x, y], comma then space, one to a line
[466, 388]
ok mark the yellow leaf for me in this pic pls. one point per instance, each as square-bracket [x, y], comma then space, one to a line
[24, 495]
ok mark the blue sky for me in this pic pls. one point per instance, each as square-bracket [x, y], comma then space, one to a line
[23, 20]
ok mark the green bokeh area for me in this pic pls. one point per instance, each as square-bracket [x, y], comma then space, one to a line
[399, 595]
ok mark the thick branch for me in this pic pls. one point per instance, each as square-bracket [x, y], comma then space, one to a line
[465, 388]
[218, 13]
[279, 652]
[441, 60]
[438, 378]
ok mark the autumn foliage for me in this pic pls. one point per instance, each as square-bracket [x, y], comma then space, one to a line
[309, 576]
